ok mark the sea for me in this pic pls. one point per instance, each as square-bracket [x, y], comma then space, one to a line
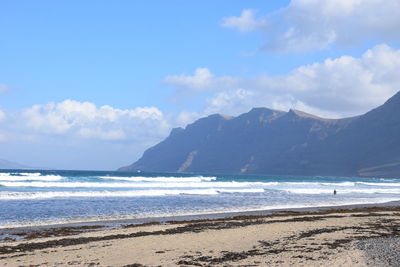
[42, 197]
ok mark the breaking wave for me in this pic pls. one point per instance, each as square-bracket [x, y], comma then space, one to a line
[134, 185]
[342, 191]
[133, 193]
[29, 177]
[160, 179]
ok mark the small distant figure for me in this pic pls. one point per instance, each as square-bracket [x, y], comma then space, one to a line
[334, 191]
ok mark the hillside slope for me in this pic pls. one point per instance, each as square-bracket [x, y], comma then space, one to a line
[266, 141]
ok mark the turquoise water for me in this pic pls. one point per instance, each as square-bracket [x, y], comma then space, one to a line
[42, 197]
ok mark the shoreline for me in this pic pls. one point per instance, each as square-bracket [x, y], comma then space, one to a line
[73, 228]
[117, 222]
[327, 236]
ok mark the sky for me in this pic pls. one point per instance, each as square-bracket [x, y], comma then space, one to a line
[93, 84]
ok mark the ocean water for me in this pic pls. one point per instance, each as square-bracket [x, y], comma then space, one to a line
[45, 197]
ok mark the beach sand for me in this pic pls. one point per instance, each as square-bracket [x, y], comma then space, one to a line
[336, 237]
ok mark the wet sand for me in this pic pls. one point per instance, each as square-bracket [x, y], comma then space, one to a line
[340, 237]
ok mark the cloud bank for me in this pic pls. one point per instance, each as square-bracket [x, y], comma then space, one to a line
[338, 87]
[84, 119]
[306, 25]
[246, 22]
[201, 80]
[65, 134]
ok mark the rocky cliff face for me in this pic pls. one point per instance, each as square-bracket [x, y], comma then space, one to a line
[266, 141]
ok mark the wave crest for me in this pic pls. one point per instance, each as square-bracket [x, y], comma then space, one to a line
[132, 193]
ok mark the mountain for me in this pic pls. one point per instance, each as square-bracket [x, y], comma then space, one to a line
[266, 141]
[5, 164]
[369, 145]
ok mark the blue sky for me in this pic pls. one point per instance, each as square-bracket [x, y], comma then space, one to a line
[92, 84]
[115, 54]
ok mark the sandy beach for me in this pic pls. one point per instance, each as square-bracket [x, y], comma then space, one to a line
[366, 236]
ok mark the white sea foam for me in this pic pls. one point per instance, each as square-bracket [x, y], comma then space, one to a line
[134, 185]
[160, 179]
[26, 177]
[132, 193]
[380, 184]
[255, 190]
[320, 183]
[342, 191]
[20, 174]
[192, 213]
[29, 173]
[339, 184]
[196, 182]
[346, 184]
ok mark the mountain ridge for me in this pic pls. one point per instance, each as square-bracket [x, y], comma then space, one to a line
[268, 141]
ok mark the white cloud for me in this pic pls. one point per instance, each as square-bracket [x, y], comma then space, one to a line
[337, 87]
[345, 84]
[185, 117]
[227, 102]
[80, 135]
[84, 119]
[246, 22]
[201, 80]
[315, 24]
